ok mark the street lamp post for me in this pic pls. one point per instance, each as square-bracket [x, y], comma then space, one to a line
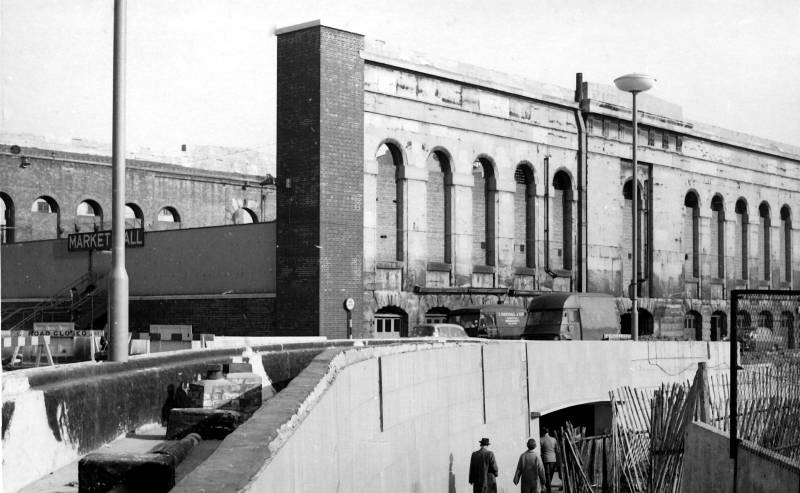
[634, 84]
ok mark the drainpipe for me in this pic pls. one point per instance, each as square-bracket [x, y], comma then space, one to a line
[582, 182]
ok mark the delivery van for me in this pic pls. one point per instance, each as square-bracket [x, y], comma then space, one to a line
[572, 316]
[490, 321]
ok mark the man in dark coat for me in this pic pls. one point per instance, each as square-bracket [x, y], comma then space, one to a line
[530, 470]
[483, 469]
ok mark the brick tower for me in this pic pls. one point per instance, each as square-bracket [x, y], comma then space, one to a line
[320, 164]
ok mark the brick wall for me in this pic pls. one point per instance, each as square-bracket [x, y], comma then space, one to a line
[388, 205]
[220, 316]
[435, 209]
[201, 198]
[320, 149]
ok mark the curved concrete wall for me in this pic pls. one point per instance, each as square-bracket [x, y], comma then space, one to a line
[52, 416]
[406, 418]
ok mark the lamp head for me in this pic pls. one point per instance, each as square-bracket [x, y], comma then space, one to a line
[634, 82]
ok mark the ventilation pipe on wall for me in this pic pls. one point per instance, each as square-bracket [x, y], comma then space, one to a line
[580, 94]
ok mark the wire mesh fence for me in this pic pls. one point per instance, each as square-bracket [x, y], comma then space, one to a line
[764, 399]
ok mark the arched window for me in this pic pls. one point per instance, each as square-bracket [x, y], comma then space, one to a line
[641, 237]
[436, 315]
[7, 218]
[439, 198]
[134, 217]
[742, 221]
[389, 203]
[561, 225]
[718, 236]
[483, 211]
[168, 215]
[787, 329]
[764, 234]
[786, 244]
[691, 234]
[765, 319]
[524, 217]
[719, 326]
[46, 220]
[390, 321]
[243, 215]
[645, 323]
[693, 324]
[743, 321]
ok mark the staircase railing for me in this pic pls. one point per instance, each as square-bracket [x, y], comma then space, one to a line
[65, 301]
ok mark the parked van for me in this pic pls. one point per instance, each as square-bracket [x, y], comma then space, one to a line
[572, 316]
[438, 330]
[491, 321]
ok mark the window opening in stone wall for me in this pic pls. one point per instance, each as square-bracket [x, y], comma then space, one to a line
[786, 243]
[168, 215]
[693, 324]
[391, 321]
[719, 326]
[642, 226]
[691, 234]
[439, 207]
[389, 202]
[651, 137]
[7, 218]
[437, 315]
[718, 236]
[742, 222]
[89, 208]
[483, 212]
[524, 217]
[46, 219]
[743, 320]
[787, 329]
[561, 223]
[244, 215]
[134, 217]
[764, 234]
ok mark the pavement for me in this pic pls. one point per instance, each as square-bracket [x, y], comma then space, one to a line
[65, 480]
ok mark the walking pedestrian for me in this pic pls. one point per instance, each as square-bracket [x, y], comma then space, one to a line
[483, 469]
[530, 470]
[548, 456]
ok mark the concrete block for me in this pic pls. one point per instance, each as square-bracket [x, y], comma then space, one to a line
[100, 472]
[210, 424]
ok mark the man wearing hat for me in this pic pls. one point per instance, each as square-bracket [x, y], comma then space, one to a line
[483, 469]
[530, 470]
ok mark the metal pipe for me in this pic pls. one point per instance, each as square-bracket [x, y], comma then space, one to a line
[582, 274]
[635, 230]
[119, 277]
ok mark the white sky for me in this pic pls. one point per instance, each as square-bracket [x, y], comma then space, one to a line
[203, 71]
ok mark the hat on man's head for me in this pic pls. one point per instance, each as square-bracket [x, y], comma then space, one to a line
[484, 441]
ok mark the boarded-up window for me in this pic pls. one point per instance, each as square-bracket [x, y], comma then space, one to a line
[524, 217]
[786, 244]
[691, 235]
[561, 222]
[389, 204]
[717, 250]
[765, 224]
[438, 207]
[483, 207]
[742, 221]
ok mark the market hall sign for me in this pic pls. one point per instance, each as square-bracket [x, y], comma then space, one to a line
[101, 240]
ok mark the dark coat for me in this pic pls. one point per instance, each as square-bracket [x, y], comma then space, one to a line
[482, 471]
[531, 471]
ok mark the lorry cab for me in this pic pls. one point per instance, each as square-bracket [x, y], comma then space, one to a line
[572, 316]
[498, 321]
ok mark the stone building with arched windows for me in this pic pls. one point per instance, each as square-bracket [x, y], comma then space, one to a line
[415, 186]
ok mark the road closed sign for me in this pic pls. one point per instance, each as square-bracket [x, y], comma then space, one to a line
[101, 240]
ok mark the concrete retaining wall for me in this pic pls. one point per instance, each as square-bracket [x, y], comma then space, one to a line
[406, 418]
[708, 468]
[567, 373]
[51, 416]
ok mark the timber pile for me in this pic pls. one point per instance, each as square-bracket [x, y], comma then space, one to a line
[573, 464]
